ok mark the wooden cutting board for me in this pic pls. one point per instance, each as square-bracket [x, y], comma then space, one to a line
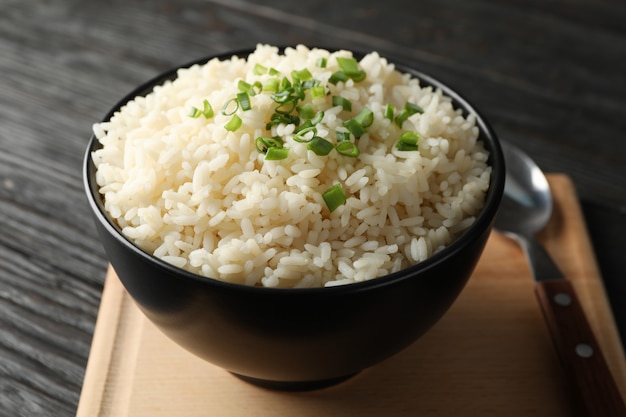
[491, 355]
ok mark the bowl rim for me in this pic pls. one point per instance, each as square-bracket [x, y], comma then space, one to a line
[484, 219]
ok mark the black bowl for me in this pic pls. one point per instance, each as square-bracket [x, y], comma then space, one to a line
[298, 338]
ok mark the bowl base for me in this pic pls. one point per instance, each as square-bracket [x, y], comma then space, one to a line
[294, 385]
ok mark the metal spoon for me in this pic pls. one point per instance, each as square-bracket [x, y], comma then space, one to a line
[526, 209]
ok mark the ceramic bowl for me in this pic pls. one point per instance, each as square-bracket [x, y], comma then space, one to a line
[298, 338]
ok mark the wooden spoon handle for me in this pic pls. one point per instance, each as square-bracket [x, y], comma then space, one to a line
[579, 350]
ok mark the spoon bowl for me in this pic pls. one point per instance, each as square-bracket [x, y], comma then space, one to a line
[528, 204]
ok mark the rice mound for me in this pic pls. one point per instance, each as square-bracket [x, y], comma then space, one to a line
[205, 199]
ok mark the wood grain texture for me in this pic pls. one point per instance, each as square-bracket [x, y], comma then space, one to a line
[548, 75]
[491, 353]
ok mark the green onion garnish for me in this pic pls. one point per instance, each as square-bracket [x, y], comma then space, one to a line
[408, 141]
[306, 125]
[409, 110]
[354, 127]
[252, 89]
[274, 71]
[342, 136]
[320, 146]
[318, 91]
[338, 76]
[233, 124]
[351, 67]
[317, 118]
[244, 100]
[271, 85]
[282, 95]
[243, 86]
[365, 117]
[285, 83]
[286, 107]
[301, 75]
[343, 102]
[321, 62]
[413, 108]
[306, 111]
[194, 112]
[276, 154]
[334, 197]
[300, 135]
[389, 112]
[262, 144]
[207, 110]
[308, 84]
[278, 118]
[230, 107]
[347, 148]
[259, 69]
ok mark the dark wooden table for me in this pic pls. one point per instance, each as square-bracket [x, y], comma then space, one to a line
[550, 76]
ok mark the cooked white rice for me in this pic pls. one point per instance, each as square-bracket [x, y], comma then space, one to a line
[205, 199]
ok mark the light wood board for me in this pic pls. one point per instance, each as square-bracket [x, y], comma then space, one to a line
[491, 354]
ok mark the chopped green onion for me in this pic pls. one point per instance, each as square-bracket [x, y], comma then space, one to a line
[338, 76]
[408, 141]
[342, 136]
[320, 146]
[262, 144]
[390, 110]
[318, 91]
[230, 107]
[321, 62]
[360, 76]
[276, 154]
[351, 67]
[278, 118]
[300, 135]
[285, 83]
[271, 85]
[347, 148]
[306, 111]
[282, 95]
[308, 84]
[259, 69]
[409, 110]
[301, 75]
[233, 124]
[274, 71]
[252, 89]
[319, 116]
[413, 108]
[354, 127]
[207, 111]
[343, 102]
[286, 107]
[334, 197]
[298, 91]
[194, 112]
[244, 101]
[243, 86]
[365, 117]
[348, 65]
[306, 125]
